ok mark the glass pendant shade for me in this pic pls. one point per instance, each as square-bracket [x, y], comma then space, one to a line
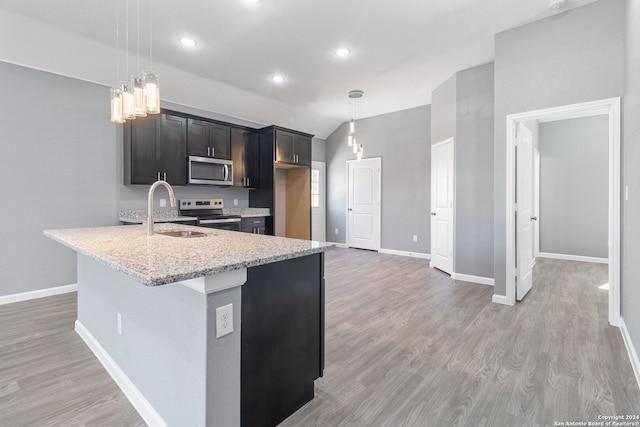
[355, 146]
[116, 105]
[349, 140]
[352, 126]
[360, 152]
[139, 97]
[127, 101]
[152, 89]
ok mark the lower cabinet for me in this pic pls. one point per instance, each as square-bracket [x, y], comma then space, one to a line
[282, 340]
[254, 225]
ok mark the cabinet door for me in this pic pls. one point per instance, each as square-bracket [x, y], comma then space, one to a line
[284, 146]
[144, 131]
[238, 156]
[197, 138]
[302, 150]
[171, 149]
[252, 160]
[220, 141]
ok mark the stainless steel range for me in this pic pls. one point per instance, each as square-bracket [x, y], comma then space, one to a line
[209, 213]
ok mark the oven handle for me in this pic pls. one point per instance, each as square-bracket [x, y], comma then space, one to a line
[218, 221]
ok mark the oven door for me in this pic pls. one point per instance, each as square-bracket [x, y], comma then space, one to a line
[204, 170]
[231, 224]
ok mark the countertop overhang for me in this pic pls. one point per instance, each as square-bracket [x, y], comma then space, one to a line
[159, 259]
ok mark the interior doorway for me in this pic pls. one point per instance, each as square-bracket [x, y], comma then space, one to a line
[442, 205]
[610, 108]
[364, 179]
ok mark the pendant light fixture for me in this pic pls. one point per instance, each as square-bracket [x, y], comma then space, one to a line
[354, 96]
[138, 95]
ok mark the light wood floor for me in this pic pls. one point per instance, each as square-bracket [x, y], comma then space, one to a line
[406, 345]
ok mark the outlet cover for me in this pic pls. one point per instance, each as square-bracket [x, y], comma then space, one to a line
[224, 320]
[415, 237]
[336, 231]
[163, 203]
[235, 202]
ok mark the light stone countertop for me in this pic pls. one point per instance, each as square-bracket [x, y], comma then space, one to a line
[159, 259]
[160, 215]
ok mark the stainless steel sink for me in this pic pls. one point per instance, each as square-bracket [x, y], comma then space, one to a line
[182, 233]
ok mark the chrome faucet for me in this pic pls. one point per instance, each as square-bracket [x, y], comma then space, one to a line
[172, 199]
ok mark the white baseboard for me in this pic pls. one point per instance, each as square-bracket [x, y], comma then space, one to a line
[500, 299]
[473, 279]
[633, 356]
[579, 258]
[40, 293]
[405, 253]
[339, 245]
[137, 399]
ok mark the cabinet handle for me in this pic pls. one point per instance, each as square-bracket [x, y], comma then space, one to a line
[213, 151]
[247, 182]
[165, 176]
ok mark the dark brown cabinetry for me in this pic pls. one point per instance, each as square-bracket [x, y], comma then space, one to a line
[282, 340]
[208, 139]
[293, 148]
[245, 154]
[155, 147]
[255, 225]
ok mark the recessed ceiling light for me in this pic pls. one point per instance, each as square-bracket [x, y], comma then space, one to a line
[277, 78]
[188, 42]
[342, 51]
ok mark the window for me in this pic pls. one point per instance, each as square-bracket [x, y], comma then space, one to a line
[315, 188]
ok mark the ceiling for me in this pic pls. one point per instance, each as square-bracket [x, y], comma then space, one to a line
[401, 50]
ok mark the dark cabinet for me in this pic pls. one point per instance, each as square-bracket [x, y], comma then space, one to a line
[254, 225]
[156, 148]
[293, 148]
[245, 155]
[207, 139]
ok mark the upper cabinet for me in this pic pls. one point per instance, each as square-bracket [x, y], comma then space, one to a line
[245, 155]
[155, 147]
[293, 148]
[208, 139]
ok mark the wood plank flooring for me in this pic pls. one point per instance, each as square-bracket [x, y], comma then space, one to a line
[405, 346]
[408, 346]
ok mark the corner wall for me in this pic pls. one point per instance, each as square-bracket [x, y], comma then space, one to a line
[573, 57]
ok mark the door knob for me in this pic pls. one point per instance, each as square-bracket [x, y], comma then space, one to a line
[350, 209]
[534, 218]
[433, 213]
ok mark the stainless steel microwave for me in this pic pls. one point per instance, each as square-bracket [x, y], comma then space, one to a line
[206, 170]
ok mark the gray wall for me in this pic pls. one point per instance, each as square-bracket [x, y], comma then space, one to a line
[631, 156]
[474, 172]
[402, 140]
[63, 152]
[573, 57]
[443, 111]
[318, 150]
[574, 186]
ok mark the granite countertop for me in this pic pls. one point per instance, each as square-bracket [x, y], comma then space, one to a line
[172, 215]
[159, 259]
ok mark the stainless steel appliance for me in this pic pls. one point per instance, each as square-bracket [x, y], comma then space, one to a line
[209, 213]
[206, 170]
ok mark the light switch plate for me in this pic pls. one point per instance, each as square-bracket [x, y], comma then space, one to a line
[224, 320]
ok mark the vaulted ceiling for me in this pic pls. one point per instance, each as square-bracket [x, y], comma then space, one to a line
[400, 50]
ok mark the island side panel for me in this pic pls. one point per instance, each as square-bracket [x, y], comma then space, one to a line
[162, 348]
[282, 338]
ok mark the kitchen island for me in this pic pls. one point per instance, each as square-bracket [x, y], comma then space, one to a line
[148, 308]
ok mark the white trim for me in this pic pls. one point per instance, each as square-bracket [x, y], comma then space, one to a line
[339, 245]
[633, 356]
[610, 107]
[405, 253]
[40, 293]
[500, 299]
[579, 258]
[473, 279]
[135, 396]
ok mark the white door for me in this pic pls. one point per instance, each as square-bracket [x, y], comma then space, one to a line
[524, 210]
[363, 210]
[442, 206]
[318, 201]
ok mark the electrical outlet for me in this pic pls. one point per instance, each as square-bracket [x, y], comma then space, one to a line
[626, 193]
[415, 237]
[119, 324]
[163, 203]
[235, 202]
[337, 231]
[224, 320]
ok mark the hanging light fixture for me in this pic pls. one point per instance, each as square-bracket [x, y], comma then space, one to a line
[139, 95]
[354, 95]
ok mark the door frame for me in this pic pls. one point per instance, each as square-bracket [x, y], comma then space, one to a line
[611, 108]
[348, 232]
[321, 166]
[453, 197]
